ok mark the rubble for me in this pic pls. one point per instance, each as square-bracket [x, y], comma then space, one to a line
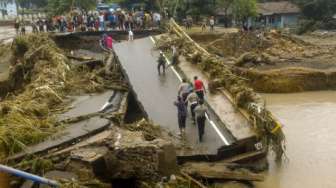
[40, 80]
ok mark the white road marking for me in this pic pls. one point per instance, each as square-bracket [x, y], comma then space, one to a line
[210, 121]
[104, 106]
[217, 131]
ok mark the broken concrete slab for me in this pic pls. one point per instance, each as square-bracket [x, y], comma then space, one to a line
[134, 157]
[91, 159]
[219, 171]
[59, 175]
[89, 104]
[68, 136]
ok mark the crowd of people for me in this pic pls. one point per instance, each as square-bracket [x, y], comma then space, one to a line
[206, 22]
[189, 96]
[102, 21]
[93, 21]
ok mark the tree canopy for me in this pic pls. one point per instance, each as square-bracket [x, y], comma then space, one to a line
[243, 9]
[317, 10]
[62, 6]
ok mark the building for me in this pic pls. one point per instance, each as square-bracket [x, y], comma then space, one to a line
[278, 14]
[271, 14]
[8, 9]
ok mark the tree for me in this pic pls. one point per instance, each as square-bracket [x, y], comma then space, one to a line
[317, 10]
[244, 9]
[195, 8]
[63, 6]
[224, 6]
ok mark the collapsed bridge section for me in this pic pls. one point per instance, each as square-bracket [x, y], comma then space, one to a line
[156, 94]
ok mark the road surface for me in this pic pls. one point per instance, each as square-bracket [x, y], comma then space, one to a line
[157, 94]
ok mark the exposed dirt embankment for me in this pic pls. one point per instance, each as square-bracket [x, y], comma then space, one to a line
[289, 79]
[272, 62]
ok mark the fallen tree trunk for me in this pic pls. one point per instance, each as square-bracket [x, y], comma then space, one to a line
[219, 171]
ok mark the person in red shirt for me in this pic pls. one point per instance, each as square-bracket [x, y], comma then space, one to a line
[199, 88]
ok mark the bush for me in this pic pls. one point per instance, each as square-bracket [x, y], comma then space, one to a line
[20, 46]
[312, 25]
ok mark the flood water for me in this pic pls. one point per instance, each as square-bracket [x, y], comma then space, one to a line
[310, 128]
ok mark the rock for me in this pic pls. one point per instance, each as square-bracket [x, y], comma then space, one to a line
[88, 162]
[27, 184]
[134, 157]
[59, 175]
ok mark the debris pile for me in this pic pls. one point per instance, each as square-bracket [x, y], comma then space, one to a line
[40, 79]
[274, 44]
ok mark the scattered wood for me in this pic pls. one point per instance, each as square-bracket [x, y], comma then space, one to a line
[220, 171]
[245, 156]
[180, 30]
[80, 58]
[199, 184]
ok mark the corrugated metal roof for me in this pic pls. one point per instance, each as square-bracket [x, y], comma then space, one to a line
[282, 7]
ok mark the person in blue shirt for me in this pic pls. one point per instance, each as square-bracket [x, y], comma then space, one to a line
[181, 114]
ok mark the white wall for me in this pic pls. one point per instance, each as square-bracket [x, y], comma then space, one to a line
[11, 11]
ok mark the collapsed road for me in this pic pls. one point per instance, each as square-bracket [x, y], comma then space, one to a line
[156, 95]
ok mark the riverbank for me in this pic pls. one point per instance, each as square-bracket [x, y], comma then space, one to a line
[273, 62]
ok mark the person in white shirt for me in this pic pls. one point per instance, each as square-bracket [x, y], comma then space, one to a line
[212, 23]
[102, 22]
[130, 35]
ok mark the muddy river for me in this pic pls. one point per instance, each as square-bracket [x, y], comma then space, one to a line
[310, 127]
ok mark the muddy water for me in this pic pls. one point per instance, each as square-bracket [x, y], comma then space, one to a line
[310, 127]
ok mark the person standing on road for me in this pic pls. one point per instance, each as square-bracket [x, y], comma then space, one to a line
[175, 56]
[102, 22]
[181, 114]
[130, 35]
[23, 27]
[201, 111]
[192, 100]
[204, 23]
[109, 42]
[199, 88]
[17, 26]
[161, 63]
[183, 90]
[212, 23]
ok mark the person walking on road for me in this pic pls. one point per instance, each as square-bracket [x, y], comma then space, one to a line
[201, 111]
[161, 63]
[181, 114]
[199, 88]
[183, 90]
[192, 100]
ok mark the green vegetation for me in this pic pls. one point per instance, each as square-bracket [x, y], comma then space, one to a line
[317, 14]
[62, 6]
[243, 9]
